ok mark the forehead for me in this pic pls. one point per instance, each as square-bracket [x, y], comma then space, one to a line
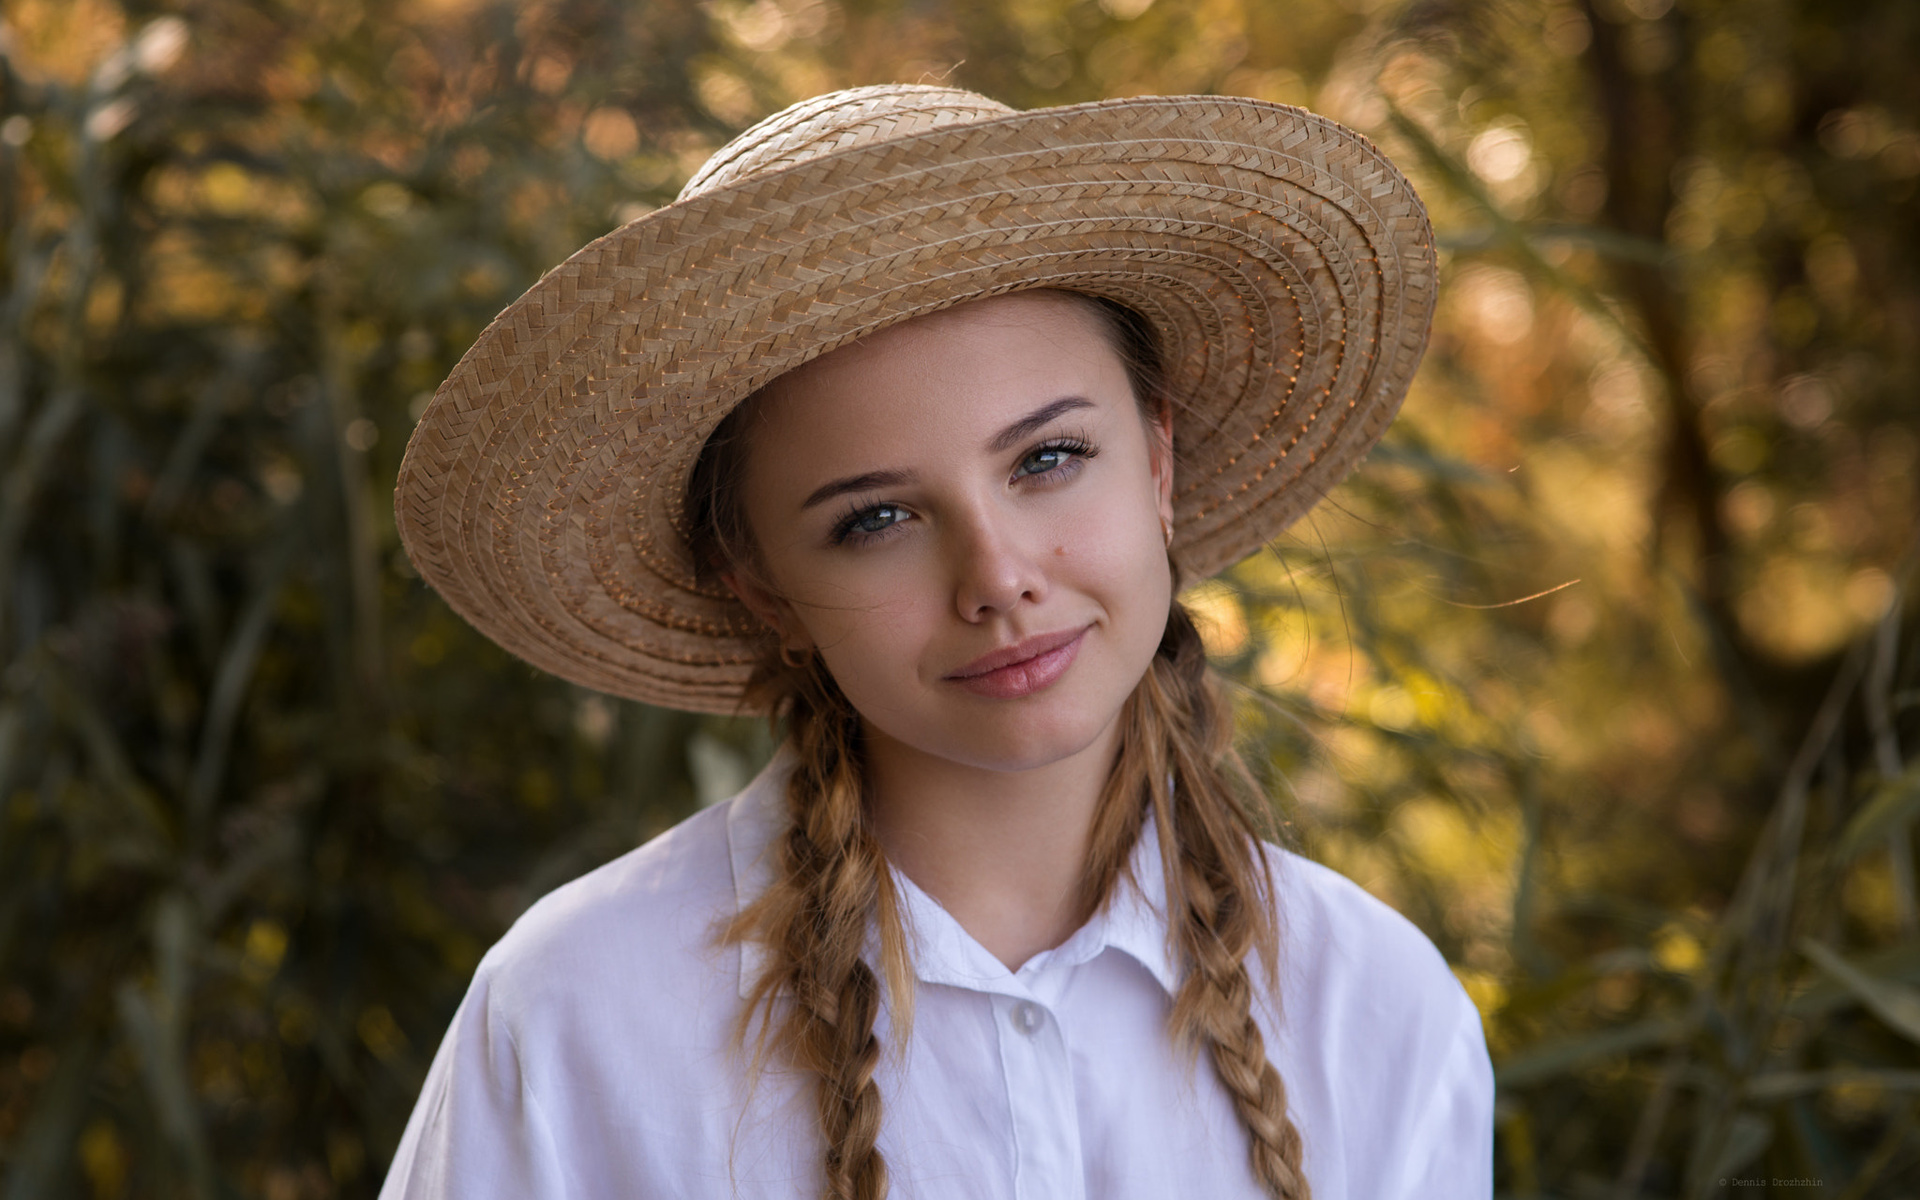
[984, 362]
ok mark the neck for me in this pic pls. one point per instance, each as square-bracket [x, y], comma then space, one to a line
[1001, 851]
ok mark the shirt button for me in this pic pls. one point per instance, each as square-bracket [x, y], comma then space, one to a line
[1027, 1017]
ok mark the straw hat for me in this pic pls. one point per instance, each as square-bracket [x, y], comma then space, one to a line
[1286, 266]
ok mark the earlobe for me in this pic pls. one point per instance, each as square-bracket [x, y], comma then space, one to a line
[1162, 454]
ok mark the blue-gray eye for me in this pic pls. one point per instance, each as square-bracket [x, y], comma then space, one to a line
[1057, 454]
[866, 522]
[1050, 457]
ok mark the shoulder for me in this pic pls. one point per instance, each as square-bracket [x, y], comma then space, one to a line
[634, 948]
[631, 939]
[1353, 968]
[549, 1079]
[1335, 935]
[1384, 1052]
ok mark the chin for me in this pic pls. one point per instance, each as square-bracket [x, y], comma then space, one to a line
[1030, 750]
[1007, 736]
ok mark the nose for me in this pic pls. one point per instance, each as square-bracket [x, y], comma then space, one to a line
[993, 569]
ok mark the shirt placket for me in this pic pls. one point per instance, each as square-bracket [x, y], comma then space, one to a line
[1039, 1082]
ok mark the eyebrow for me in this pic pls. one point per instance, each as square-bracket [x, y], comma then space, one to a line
[1003, 441]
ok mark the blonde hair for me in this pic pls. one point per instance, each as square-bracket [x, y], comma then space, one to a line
[816, 1001]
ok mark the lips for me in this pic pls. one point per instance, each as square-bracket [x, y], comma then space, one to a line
[1021, 651]
[1024, 668]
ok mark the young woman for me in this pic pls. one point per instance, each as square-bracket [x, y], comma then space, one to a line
[904, 425]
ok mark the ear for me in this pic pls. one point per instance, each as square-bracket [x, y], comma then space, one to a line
[1160, 460]
[773, 610]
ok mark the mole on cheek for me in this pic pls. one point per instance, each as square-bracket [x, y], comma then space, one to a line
[1060, 551]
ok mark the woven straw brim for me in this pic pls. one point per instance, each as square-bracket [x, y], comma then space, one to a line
[1286, 265]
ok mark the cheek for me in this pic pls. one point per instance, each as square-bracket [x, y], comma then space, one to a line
[1109, 540]
[875, 628]
[1119, 558]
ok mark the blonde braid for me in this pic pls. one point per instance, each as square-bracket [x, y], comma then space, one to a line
[1215, 1007]
[830, 882]
[1219, 900]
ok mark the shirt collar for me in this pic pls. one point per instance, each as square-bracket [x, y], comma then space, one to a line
[1133, 921]
[754, 820]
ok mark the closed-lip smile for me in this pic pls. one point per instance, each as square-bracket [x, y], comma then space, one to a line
[1019, 652]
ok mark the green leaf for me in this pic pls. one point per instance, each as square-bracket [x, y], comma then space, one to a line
[1779, 1085]
[1429, 462]
[1893, 804]
[1548, 1060]
[1896, 1004]
[1610, 243]
[1745, 1140]
[154, 1021]
[1901, 964]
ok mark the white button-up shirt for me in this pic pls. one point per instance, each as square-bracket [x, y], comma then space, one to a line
[594, 1055]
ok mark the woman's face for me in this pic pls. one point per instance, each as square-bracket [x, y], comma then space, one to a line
[966, 484]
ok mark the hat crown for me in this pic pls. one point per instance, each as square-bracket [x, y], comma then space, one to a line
[837, 121]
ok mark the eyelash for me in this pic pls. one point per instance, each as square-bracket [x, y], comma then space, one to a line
[1081, 449]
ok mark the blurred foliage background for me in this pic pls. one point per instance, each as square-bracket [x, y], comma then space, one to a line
[1603, 669]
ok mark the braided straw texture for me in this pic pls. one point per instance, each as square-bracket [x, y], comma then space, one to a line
[1286, 265]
